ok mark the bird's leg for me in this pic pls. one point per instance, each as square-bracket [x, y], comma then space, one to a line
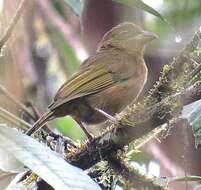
[108, 116]
[89, 136]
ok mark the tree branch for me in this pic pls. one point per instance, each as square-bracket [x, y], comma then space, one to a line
[136, 121]
[176, 73]
[123, 131]
[11, 118]
[132, 177]
[16, 101]
[12, 24]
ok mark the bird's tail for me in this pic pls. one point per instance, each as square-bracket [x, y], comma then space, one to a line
[40, 122]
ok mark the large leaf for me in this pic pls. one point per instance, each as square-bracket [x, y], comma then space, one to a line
[141, 5]
[5, 178]
[45, 163]
[9, 163]
[76, 5]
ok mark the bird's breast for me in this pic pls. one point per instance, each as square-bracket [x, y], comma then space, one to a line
[117, 97]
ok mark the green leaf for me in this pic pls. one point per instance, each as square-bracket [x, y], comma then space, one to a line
[141, 5]
[69, 127]
[47, 164]
[76, 5]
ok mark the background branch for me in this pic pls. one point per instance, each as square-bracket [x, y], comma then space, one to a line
[11, 118]
[11, 25]
[15, 101]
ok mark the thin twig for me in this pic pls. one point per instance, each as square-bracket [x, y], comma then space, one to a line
[16, 101]
[23, 107]
[195, 72]
[155, 133]
[37, 114]
[11, 118]
[12, 24]
[34, 109]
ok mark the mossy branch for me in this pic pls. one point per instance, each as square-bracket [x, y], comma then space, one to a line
[137, 120]
[123, 132]
[174, 74]
[163, 104]
[132, 177]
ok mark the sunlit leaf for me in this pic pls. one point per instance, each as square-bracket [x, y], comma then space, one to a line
[44, 162]
[141, 5]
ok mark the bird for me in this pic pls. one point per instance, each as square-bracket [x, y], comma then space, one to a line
[108, 80]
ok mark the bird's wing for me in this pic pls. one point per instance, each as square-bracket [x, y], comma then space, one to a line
[91, 79]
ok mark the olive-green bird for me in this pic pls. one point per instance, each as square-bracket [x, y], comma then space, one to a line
[108, 80]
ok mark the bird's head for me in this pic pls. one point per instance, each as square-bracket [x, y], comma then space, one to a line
[126, 36]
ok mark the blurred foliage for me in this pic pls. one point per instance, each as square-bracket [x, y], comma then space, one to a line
[69, 127]
[141, 157]
[181, 12]
[143, 6]
[76, 5]
[57, 5]
[67, 53]
[179, 15]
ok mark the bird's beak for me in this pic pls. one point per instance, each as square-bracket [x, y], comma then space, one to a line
[149, 35]
[146, 36]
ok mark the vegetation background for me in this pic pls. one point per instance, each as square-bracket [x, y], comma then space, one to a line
[53, 37]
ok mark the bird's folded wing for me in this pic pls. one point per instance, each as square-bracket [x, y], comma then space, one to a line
[87, 81]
